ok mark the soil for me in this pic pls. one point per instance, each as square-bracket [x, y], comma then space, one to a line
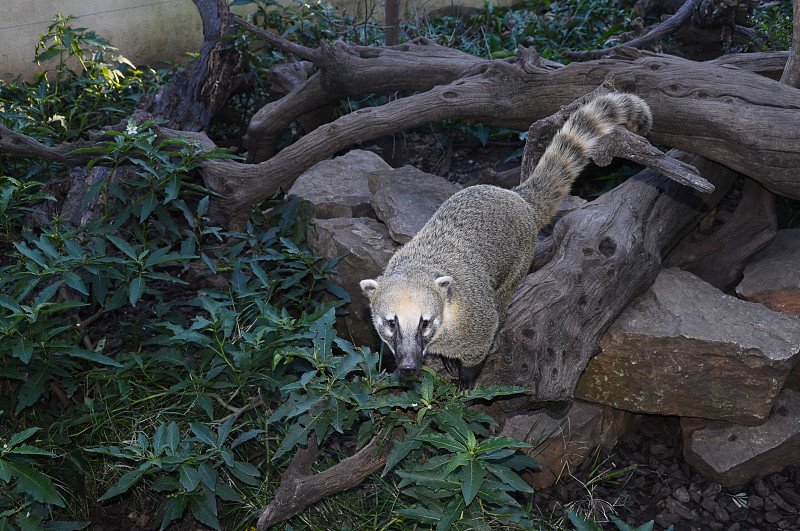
[660, 486]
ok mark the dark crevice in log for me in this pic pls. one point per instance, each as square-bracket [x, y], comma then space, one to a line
[720, 257]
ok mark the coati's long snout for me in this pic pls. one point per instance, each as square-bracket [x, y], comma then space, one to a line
[484, 237]
[409, 350]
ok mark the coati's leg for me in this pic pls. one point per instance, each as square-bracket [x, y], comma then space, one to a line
[468, 375]
[453, 365]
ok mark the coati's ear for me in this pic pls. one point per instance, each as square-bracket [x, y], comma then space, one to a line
[444, 283]
[368, 286]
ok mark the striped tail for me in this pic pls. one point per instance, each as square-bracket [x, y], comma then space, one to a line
[568, 152]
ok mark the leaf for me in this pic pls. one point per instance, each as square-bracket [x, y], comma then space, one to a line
[173, 437]
[451, 513]
[35, 484]
[225, 430]
[648, 526]
[497, 443]
[204, 434]
[22, 436]
[204, 509]
[491, 391]
[26, 449]
[421, 514]
[400, 450]
[125, 482]
[74, 281]
[459, 460]
[23, 350]
[5, 471]
[77, 352]
[123, 246]
[509, 477]
[135, 290]
[173, 509]
[472, 476]
[189, 477]
[208, 476]
[582, 523]
[32, 389]
[444, 441]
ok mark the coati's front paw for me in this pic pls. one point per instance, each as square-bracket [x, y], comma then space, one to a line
[468, 375]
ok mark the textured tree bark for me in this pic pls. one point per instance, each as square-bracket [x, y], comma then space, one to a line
[739, 119]
[300, 487]
[199, 92]
[607, 253]
[720, 257]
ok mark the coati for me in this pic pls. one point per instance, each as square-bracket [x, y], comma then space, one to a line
[447, 290]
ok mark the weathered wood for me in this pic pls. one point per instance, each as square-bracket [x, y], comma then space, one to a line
[300, 488]
[754, 136]
[347, 69]
[720, 257]
[607, 253]
[200, 91]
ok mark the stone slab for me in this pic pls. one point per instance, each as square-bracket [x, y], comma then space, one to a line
[685, 348]
[773, 276]
[339, 187]
[734, 455]
[406, 198]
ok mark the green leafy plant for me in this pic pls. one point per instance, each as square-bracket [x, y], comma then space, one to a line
[27, 495]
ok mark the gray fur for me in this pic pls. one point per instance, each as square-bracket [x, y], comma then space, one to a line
[447, 290]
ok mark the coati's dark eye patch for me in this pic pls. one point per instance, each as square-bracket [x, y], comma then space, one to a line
[390, 323]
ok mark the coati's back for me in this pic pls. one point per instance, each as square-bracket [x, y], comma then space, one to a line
[448, 289]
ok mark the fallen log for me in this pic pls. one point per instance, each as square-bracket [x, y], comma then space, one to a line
[606, 254]
[755, 137]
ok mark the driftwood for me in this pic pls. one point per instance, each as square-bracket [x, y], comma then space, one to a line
[197, 93]
[300, 487]
[606, 254]
[516, 94]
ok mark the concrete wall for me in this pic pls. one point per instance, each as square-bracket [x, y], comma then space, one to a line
[148, 32]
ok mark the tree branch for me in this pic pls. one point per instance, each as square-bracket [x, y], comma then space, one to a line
[662, 30]
[300, 488]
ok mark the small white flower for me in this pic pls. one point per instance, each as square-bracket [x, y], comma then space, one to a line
[131, 129]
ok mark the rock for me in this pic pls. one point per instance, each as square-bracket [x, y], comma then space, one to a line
[406, 198]
[684, 348]
[369, 246]
[338, 187]
[773, 277]
[733, 455]
[563, 441]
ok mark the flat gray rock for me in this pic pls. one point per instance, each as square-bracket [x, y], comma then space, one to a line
[406, 198]
[339, 187]
[773, 276]
[684, 348]
[733, 455]
[368, 246]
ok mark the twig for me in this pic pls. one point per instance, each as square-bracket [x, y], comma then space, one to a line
[300, 488]
[654, 35]
[304, 52]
